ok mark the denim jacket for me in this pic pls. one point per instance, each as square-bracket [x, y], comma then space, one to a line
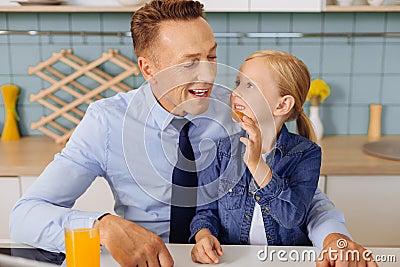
[227, 192]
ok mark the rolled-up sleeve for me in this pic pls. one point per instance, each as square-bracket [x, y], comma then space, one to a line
[288, 196]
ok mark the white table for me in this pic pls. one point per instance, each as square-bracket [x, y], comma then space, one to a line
[239, 256]
[246, 256]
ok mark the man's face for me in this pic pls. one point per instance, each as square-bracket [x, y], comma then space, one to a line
[184, 65]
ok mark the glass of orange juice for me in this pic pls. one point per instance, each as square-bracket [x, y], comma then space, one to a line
[82, 242]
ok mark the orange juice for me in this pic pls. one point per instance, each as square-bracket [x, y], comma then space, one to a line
[82, 247]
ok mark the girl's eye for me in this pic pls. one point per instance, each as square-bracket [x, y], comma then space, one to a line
[237, 83]
[250, 85]
[213, 58]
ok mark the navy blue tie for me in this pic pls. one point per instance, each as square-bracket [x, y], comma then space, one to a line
[184, 186]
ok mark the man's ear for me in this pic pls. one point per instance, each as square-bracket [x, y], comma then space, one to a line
[284, 106]
[146, 67]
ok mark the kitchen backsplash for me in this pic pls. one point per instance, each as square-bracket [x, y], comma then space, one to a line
[360, 70]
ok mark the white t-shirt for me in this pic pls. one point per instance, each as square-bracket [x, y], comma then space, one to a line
[257, 230]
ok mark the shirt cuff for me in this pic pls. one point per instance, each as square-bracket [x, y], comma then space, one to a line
[197, 226]
[271, 190]
[319, 233]
[85, 214]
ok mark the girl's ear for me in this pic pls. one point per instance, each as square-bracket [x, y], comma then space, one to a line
[146, 67]
[284, 106]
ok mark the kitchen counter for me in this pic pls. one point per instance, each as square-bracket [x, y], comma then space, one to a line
[27, 156]
[342, 155]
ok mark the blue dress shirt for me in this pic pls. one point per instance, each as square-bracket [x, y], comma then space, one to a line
[128, 140]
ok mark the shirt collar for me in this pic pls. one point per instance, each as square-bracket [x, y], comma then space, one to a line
[283, 139]
[280, 145]
[281, 142]
[161, 116]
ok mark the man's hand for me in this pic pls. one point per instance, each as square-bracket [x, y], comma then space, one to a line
[206, 244]
[131, 244]
[342, 251]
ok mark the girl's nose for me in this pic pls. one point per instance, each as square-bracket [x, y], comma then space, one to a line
[236, 92]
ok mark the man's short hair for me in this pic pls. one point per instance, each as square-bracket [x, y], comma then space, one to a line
[146, 21]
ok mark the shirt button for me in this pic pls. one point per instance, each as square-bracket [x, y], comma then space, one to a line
[258, 198]
[230, 190]
[253, 192]
[269, 237]
[266, 210]
[248, 217]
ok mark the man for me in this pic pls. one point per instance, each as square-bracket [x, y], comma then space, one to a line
[127, 139]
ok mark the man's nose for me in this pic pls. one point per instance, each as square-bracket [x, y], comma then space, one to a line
[207, 72]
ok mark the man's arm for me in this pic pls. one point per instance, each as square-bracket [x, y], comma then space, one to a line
[324, 219]
[38, 217]
[327, 230]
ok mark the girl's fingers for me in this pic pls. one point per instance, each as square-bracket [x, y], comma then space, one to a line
[247, 119]
[198, 254]
[244, 140]
[209, 250]
[250, 127]
[203, 255]
[218, 248]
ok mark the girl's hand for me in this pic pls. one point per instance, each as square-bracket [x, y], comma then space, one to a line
[252, 155]
[206, 244]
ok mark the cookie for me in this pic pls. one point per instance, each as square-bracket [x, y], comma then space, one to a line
[237, 116]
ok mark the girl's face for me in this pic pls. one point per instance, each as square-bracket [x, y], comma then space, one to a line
[256, 93]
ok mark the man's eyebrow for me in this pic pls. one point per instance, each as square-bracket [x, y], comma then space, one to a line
[198, 54]
[191, 55]
[214, 47]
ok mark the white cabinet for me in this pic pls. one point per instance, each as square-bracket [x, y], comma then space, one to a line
[225, 5]
[322, 183]
[263, 5]
[370, 205]
[9, 194]
[98, 197]
[286, 5]
[26, 182]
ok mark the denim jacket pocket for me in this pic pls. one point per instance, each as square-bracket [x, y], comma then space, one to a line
[231, 193]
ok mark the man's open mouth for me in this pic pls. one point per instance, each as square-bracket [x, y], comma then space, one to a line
[199, 92]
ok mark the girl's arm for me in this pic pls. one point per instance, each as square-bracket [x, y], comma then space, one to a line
[287, 198]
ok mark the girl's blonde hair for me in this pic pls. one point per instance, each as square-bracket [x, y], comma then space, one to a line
[293, 78]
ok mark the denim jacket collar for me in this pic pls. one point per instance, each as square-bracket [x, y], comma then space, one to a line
[283, 140]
